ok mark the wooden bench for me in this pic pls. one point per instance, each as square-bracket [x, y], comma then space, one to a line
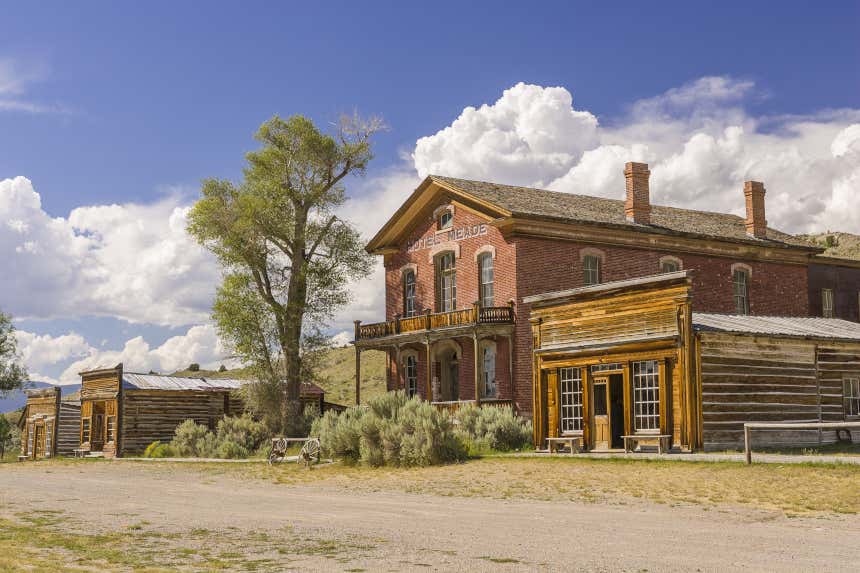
[23, 458]
[662, 441]
[573, 442]
[80, 452]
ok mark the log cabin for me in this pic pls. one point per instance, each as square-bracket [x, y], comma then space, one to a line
[629, 363]
[49, 425]
[123, 412]
[467, 261]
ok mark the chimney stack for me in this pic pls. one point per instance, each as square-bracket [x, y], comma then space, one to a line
[637, 208]
[755, 221]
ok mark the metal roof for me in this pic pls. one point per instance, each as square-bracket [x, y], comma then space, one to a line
[134, 381]
[802, 326]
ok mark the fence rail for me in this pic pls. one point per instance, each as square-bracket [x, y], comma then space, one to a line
[789, 426]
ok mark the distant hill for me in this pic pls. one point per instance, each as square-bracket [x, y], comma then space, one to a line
[16, 400]
[842, 245]
[337, 374]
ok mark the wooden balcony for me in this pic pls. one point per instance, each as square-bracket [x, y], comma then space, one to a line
[457, 404]
[477, 315]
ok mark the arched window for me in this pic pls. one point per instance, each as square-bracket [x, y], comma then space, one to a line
[591, 270]
[410, 368]
[670, 264]
[740, 287]
[409, 308]
[446, 219]
[446, 282]
[486, 279]
[488, 370]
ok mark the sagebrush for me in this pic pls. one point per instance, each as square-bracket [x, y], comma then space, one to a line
[234, 437]
[492, 428]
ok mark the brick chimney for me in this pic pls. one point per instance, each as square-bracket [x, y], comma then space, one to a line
[755, 221]
[637, 208]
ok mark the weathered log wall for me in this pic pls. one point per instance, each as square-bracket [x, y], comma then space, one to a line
[68, 429]
[747, 378]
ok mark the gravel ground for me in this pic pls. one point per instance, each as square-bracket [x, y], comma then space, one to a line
[387, 531]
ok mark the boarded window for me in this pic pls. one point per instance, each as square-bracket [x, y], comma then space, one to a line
[591, 270]
[851, 396]
[570, 382]
[446, 282]
[827, 303]
[486, 276]
[646, 395]
[411, 376]
[409, 308]
[740, 284]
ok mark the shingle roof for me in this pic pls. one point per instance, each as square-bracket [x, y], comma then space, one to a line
[809, 327]
[529, 202]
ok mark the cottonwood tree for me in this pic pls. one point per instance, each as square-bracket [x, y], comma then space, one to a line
[12, 374]
[288, 258]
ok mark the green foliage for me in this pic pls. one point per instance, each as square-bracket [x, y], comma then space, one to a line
[390, 430]
[10, 436]
[287, 258]
[234, 437]
[12, 374]
[159, 450]
[492, 428]
[194, 367]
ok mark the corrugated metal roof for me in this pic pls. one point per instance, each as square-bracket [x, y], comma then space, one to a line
[809, 327]
[134, 381]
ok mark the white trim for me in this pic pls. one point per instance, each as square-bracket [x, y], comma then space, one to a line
[409, 267]
[444, 247]
[742, 267]
[437, 212]
[485, 249]
[586, 251]
[671, 259]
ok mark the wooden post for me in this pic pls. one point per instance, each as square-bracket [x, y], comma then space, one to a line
[477, 374]
[426, 319]
[428, 386]
[397, 323]
[357, 363]
[747, 445]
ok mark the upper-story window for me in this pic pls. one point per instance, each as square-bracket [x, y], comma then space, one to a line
[446, 219]
[670, 264]
[591, 269]
[486, 279]
[409, 307]
[827, 303]
[740, 286]
[446, 282]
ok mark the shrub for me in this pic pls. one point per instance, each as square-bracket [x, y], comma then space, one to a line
[390, 430]
[237, 437]
[194, 440]
[492, 427]
[159, 450]
[194, 367]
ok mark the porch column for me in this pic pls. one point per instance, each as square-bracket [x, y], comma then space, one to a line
[357, 364]
[397, 368]
[429, 372]
[477, 374]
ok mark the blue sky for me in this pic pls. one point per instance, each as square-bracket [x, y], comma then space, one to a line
[133, 104]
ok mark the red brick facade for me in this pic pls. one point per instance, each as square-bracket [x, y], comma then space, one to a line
[526, 266]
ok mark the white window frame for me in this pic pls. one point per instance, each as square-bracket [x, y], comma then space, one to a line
[447, 281]
[446, 219]
[489, 381]
[570, 419]
[486, 279]
[741, 290]
[827, 308]
[851, 397]
[409, 289]
[645, 375]
[49, 437]
[31, 431]
[410, 374]
[591, 272]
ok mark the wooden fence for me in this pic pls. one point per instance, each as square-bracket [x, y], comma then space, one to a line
[777, 426]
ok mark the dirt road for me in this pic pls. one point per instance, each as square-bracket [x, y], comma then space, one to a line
[410, 531]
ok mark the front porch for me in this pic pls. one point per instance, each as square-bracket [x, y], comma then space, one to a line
[449, 358]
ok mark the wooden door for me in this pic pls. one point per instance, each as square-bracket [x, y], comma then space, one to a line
[39, 442]
[98, 428]
[602, 421]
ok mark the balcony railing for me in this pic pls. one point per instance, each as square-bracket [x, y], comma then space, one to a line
[431, 321]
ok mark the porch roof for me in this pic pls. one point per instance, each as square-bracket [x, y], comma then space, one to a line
[794, 326]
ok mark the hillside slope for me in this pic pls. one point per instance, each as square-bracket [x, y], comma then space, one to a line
[336, 375]
[842, 245]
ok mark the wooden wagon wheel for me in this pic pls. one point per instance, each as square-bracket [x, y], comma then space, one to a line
[310, 452]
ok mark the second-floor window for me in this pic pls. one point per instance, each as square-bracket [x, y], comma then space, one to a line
[446, 219]
[486, 277]
[446, 283]
[591, 269]
[409, 308]
[740, 286]
[827, 303]
[669, 266]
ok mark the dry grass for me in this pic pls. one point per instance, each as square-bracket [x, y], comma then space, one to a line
[792, 488]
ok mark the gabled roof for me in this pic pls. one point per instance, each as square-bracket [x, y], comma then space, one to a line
[795, 326]
[498, 201]
[527, 202]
